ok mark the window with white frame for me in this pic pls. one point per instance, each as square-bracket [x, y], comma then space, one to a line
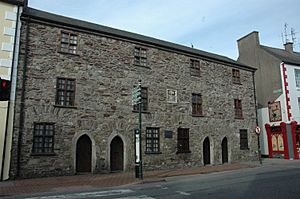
[297, 77]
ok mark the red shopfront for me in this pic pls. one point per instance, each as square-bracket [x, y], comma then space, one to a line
[283, 140]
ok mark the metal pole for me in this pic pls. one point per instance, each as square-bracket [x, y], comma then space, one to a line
[259, 152]
[140, 134]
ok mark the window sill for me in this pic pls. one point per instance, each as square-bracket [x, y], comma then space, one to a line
[237, 83]
[147, 67]
[197, 76]
[42, 154]
[61, 106]
[238, 118]
[180, 152]
[194, 115]
[61, 52]
[145, 112]
[153, 153]
[244, 149]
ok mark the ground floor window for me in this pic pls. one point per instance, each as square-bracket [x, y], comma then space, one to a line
[43, 138]
[152, 140]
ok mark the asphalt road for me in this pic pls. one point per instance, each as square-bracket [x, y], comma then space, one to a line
[276, 179]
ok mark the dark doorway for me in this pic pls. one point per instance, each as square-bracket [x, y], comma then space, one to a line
[224, 151]
[116, 154]
[84, 154]
[206, 151]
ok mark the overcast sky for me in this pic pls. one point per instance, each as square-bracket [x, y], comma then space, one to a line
[210, 25]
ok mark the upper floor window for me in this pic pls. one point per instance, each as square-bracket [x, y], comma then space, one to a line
[238, 111]
[236, 78]
[243, 139]
[140, 56]
[65, 92]
[68, 42]
[196, 104]
[43, 138]
[152, 140]
[183, 145]
[144, 103]
[297, 77]
[195, 67]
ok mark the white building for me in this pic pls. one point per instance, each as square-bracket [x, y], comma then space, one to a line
[10, 12]
[278, 94]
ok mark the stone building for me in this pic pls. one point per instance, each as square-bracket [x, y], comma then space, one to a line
[74, 111]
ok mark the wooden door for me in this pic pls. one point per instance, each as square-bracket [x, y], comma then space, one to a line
[224, 150]
[84, 154]
[116, 154]
[206, 151]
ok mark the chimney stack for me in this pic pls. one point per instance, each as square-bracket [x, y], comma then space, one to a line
[288, 47]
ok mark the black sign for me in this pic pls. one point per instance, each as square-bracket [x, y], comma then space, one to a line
[168, 134]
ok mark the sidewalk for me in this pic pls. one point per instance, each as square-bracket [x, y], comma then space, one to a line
[85, 182]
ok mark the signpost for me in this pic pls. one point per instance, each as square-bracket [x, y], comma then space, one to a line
[257, 131]
[137, 100]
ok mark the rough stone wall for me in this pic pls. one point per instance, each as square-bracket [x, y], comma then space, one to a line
[105, 75]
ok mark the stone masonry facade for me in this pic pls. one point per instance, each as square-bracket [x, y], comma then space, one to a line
[104, 72]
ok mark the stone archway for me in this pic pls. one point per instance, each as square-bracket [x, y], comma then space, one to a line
[117, 154]
[206, 151]
[224, 150]
[83, 154]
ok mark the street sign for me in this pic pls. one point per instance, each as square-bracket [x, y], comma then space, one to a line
[257, 130]
[136, 95]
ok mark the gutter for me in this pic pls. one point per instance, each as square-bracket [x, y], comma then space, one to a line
[22, 104]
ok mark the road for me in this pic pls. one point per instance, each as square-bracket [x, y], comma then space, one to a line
[277, 179]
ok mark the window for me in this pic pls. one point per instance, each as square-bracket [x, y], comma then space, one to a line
[297, 77]
[299, 103]
[140, 56]
[236, 79]
[65, 92]
[243, 139]
[152, 140]
[43, 138]
[196, 105]
[195, 67]
[183, 140]
[238, 108]
[68, 42]
[144, 101]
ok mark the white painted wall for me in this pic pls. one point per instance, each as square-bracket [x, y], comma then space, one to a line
[294, 92]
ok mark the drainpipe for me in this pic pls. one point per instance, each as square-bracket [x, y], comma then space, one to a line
[256, 119]
[22, 104]
[13, 90]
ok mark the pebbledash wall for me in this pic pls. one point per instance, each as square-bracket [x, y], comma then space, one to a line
[105, 73]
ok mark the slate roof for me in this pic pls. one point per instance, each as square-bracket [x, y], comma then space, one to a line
[283, 55]
[75, 23]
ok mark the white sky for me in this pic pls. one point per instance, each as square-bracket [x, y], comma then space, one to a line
[210, 25]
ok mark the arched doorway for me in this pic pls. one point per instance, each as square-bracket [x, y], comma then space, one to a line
[206, 151]
[84, 154]
[224, 151]
[116, 154]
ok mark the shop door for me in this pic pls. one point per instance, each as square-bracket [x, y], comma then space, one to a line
[83, 154]
[116, 154]
[206, 151]
[224, 151]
